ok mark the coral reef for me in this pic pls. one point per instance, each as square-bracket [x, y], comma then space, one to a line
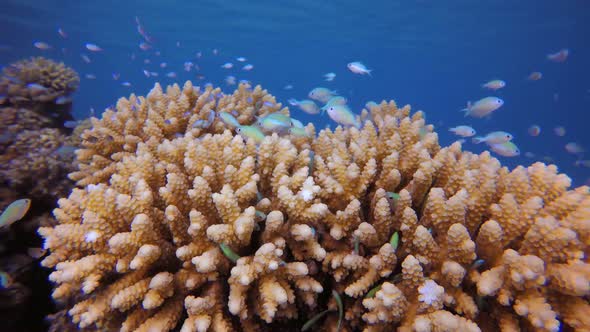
[36, 154]
[37, 162]
[176, 225]
[36, 149]
[37, 80]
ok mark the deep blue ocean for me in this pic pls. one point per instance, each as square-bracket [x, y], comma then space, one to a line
[431, 54]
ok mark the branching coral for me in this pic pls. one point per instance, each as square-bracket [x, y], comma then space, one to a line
[37, 80]
[177, 225]
[37, 163]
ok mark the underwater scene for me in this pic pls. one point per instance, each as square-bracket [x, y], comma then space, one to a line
[224, 165]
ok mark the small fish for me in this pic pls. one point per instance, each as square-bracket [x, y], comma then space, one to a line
[275, 122]
[62, 100]
[154, 73]
[14, 212]
[496, 137]
[62, 33]
[177, 44]
[248, 67]
[146, 61]
[251, 132]
[341, 114]
[559, 131]
[71, 124]
[188, 66]
[329, 77]
[288, 87]
[146, 73]
[85, 58]
[535, 76]
[463, 131]
[200, 124]
[126, 83]
[494, 85]
[240, 59]
[93, 47]
[296, 123]
[574, 148]
[41, 45]
[534, 130]
[321, 94]
[307, 106]
[36, 88]
[199, 54]
[582, 163]
[483, 107]
[227, 65]
[559, 56]
[298, 132]
[506, 149]
[90, 76]
[5, 280]
[215, 51]
[359, 68]
[144, 46]
[228, 119]
[336, 100]
[230, 80]
[163, 65]
[116, 76]
[171, 74]
[211, 117]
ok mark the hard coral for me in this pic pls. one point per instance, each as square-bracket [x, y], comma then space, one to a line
[37, 80]
[177, 225]
[36, 164]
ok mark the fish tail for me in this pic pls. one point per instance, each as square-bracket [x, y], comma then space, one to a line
[478, 139]
[467, 109]
[369, 72]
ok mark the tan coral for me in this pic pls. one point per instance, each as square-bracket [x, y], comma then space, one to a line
[172, 216]
[56, 79]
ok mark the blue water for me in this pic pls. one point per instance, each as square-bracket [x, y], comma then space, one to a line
[431, 54]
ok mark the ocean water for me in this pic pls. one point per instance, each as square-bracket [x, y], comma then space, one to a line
[433, 55]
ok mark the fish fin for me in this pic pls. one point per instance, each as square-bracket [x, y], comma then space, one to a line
[477, 140]
[467, 109]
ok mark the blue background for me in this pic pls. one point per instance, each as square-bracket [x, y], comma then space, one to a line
[431, 54]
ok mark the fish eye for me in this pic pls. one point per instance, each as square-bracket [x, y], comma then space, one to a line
[239, 129]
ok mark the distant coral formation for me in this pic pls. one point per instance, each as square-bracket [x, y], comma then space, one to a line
[35, 149]
[178, 226]
[36, 155]
[37, 80]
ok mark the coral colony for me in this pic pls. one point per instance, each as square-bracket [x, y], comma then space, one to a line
[180, 221]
